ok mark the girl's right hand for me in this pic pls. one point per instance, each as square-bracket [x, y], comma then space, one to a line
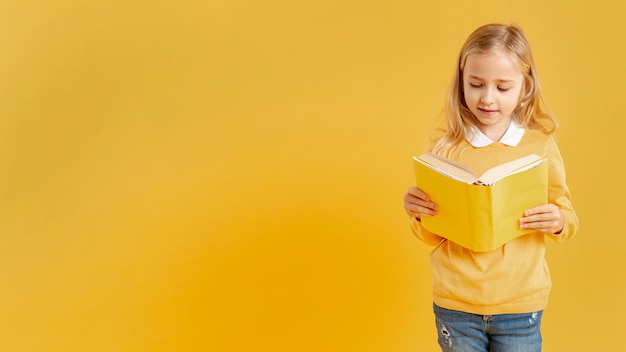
[418, 204]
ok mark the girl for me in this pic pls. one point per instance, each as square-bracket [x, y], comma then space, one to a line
[493, 301]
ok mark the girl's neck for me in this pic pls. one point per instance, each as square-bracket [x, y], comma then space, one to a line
[493, 135]
[494, 132]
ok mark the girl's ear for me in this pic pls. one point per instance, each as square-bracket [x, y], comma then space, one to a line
[527, 90]
[530, 86]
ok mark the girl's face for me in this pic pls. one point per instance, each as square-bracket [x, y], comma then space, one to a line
[492, 87]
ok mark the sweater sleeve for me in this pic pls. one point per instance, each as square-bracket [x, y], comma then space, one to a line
[559, 194]
[424, 235]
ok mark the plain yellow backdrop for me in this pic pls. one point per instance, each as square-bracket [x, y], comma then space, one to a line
[227, 175]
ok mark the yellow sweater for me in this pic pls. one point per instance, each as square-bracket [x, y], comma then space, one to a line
[515, 277]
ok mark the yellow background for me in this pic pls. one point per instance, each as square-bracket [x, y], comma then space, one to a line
[228, 175]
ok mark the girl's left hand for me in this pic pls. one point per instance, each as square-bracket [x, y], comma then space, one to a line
[545, 218]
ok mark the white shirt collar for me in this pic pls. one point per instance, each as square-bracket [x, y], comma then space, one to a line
[511, 137]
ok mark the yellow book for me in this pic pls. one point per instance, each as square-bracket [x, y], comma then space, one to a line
[481, 212]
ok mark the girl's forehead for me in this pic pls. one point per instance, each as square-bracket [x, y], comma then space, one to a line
[492, 62]
[492, 55]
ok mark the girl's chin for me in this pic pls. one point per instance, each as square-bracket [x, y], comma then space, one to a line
[493, 121]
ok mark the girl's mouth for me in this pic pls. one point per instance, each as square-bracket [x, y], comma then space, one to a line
[487, 111]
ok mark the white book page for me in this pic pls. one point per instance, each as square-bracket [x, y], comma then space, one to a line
[449, 168]
[492, 176]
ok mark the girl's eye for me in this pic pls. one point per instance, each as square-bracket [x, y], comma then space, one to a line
[503, 89]
[475, 85]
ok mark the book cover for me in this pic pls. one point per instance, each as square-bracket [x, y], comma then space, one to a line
[481, 212]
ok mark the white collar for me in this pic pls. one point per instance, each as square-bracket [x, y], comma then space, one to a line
[511, 137]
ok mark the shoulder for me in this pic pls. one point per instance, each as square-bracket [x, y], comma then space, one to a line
[539, 139]
[538, 142]
[538, 135]
[546, 144]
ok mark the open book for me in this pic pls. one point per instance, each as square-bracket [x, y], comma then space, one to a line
[481, 212]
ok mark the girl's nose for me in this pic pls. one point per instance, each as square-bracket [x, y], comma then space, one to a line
[487, 98]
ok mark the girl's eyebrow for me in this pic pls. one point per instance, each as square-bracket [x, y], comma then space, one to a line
[505, 80]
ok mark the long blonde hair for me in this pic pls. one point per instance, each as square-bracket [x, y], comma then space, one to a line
[531, 112]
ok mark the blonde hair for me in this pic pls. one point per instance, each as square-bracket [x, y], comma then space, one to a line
[531, 112]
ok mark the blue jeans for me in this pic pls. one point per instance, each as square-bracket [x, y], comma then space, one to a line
[465, 332]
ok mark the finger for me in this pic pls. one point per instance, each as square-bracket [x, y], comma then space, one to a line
[545, 208]
[549, 226]
[417, 210]
[416, 196]
[419, 193]
[541, 217]
[422, 205]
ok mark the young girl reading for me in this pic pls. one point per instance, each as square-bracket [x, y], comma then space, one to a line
[493, 301]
